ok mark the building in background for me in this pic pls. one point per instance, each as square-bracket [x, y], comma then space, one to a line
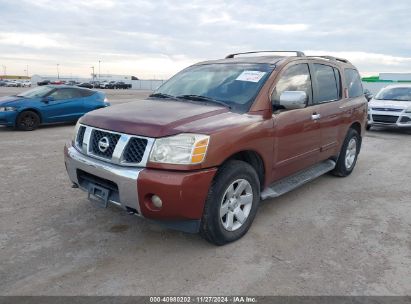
[376, 83]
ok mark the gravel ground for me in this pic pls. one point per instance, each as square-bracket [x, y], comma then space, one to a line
[333, 236]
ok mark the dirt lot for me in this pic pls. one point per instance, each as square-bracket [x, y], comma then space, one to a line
[333, 236]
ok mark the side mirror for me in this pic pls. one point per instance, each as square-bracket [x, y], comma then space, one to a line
[292, 100]
[368, 95]
[48, 99]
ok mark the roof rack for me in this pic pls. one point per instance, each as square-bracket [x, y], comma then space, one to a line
[298, 53]
[332, 58]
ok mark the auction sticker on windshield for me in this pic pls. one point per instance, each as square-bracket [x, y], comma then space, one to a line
[252, 76]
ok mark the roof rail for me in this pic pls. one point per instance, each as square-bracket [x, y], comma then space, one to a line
[298, 53]
[332, 58]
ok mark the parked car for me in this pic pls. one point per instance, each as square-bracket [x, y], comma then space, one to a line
[201, 152]
[103, 84]
[26, 83]
[85, 85]
[121, 85]
[95, 84]
[3, 83]
[13, 83]
[391, 107]
[43, 82]
[48, 104]
[110, 85]
[72, 82]
[57, 82]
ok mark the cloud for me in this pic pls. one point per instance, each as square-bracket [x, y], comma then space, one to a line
[296, 27]
[76, 33]
[33, 40]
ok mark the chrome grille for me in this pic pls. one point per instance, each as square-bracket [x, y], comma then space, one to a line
[135, 150]
[387, 109]
[385, 118]
[96, 136]
[121, 149]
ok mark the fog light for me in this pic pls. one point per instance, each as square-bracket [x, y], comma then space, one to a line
[156, 200]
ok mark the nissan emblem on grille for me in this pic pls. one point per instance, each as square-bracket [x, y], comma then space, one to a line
[103, 144]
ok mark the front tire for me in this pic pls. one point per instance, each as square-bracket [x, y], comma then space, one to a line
[348, 155]
[27, 121]
[231, 204]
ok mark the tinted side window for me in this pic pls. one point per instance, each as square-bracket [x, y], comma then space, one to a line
[353, 82]
[327, 85]
[86, 93]
[338, 79]
[295, 78]
[61, 94]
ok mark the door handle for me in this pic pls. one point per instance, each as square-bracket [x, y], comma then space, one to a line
[315, 116]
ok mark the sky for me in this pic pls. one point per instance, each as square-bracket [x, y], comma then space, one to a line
[155, 39]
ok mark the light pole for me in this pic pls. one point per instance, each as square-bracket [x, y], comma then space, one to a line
[99, 70]
[58, 72]
[92, 75]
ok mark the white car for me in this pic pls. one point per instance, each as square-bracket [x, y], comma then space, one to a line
[391, 107]
[26, 83]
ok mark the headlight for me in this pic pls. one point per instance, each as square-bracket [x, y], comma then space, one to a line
[180, 149]
[408, 110]
[75, 131]
[7, 109]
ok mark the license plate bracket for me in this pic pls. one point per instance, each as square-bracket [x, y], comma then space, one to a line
[98, 194]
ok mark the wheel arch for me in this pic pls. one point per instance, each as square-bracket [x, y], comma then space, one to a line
[254, 159]
[357, 127]
[33, 110]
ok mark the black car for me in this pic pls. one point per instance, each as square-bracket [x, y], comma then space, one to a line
[43, 82]
[85, 85]
[121, 85]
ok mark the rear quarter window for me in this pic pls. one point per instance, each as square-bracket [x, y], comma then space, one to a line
[353, 83]
[86, 93]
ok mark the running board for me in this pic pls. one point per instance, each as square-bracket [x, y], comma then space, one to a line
[298, 179]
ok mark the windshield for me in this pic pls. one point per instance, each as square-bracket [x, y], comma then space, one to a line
[38, 92]
[400, 94]
[234, 85]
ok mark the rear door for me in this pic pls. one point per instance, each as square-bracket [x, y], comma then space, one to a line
[327, 98]
[297, 132]
[66, 105]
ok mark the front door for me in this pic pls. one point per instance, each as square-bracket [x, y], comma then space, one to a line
[66, 104]
[297, 132]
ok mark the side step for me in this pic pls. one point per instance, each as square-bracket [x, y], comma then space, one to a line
[298, 179]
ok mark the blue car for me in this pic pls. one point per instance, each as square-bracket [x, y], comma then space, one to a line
[49, 104]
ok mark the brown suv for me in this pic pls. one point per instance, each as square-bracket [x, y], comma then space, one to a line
[201, 152]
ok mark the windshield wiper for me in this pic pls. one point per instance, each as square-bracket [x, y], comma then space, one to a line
[161, 95]
[203, 98]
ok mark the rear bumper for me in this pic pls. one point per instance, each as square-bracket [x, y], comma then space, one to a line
[183, 193]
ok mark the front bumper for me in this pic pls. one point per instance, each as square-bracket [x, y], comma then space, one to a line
[8, 118]
[389, 119]
[183, 193]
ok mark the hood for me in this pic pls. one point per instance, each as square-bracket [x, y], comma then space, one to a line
[389, 104]
[158, 118]
[9, 100]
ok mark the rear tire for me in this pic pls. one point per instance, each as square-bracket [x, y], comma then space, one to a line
[27, 121]
[348, 155]
[231, 204]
